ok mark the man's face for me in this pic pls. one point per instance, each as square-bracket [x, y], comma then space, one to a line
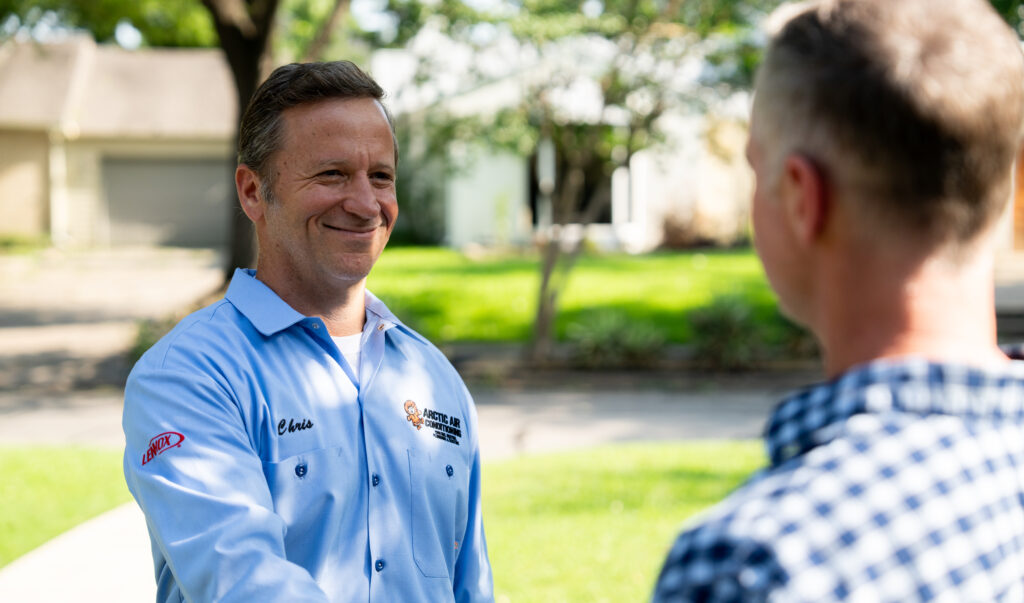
[334, 185]
[773, 235]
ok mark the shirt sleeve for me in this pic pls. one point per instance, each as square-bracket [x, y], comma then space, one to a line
[192, 467]
[472, 581]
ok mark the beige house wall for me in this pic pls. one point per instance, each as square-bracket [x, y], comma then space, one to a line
[24, 183]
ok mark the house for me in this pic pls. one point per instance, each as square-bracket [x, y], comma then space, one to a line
[105, 146]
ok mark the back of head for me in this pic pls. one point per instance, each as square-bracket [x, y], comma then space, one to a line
[911, 108]
[259, 133]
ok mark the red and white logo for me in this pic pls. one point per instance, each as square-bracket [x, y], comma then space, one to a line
[161, 443]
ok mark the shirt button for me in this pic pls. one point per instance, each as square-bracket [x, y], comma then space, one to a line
[379, 566]
[316, 325]
[300, 469]
[449, 470]
[380, 327]
[375, 480]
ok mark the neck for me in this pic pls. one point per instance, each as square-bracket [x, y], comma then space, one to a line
[872, 308]
[342, 306]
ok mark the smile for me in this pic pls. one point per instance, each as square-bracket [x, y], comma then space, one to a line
[353, 231]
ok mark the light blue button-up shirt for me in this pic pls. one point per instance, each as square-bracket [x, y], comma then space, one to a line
[267, 474]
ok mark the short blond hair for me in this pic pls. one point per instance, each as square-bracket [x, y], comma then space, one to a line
[913, 106]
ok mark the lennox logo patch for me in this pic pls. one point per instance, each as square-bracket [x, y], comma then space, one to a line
[160, 443]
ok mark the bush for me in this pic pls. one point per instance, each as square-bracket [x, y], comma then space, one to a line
[147, 333]
[726, 334]
[732, 334]
[609, 339]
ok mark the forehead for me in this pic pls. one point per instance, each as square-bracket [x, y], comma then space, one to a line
[342, 123]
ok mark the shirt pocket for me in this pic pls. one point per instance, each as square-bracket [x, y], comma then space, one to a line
[438, 508]
[314, 493]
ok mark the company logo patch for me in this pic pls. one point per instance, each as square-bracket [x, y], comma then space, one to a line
[161, 443]
[446, 428]
[413, 414]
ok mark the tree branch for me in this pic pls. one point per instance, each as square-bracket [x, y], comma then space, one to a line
[323, 36]
[234, 14]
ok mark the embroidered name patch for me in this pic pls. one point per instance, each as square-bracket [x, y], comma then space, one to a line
[291, 426]
[446, 428]
[162, 443]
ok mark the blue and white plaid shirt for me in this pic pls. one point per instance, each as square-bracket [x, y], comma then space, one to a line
[897, 481]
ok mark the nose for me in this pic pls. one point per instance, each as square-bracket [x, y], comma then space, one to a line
[360, 198]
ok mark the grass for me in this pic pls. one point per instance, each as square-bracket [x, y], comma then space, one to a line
[48, 490]
[595, 525]
[449, 297]
[21, 244]
[590, 525]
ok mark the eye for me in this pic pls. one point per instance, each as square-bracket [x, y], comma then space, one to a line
[330, 173]
[383, 176]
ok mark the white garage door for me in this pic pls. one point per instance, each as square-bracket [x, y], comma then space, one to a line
[179, 202]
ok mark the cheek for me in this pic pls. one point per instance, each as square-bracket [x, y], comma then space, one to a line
[389, 207]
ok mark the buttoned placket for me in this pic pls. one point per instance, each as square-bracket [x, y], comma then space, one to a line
[380, 491]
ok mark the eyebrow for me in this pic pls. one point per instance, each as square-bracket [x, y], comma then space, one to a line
[385, 165]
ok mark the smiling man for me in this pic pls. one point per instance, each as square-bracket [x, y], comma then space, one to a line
[269, 439]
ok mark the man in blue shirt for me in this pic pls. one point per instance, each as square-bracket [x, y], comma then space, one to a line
[883, 138]
[295, 441]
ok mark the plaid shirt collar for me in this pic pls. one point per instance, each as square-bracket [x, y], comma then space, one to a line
[815, 415]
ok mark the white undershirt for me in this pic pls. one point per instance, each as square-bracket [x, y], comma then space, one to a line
[349, 346]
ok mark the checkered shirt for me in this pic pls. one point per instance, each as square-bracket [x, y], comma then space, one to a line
[897, 481]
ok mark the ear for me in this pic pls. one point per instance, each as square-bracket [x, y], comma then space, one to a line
[805, 193]
[247, 183]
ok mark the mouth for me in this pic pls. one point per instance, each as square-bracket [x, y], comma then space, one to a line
[353, 230]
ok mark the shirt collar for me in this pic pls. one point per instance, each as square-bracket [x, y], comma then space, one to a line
[270, 314]
[809, 417]
[265, 310]
[376, 309]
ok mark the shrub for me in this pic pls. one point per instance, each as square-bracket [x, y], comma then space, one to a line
[147, 333]
[608, 339]
[733, 334]
[726, 334]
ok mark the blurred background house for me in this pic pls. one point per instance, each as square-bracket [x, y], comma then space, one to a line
[105, 146]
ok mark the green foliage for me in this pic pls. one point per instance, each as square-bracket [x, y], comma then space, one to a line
[726, 335]
[161, 22]
[731, 333]
[606, 338]
[147, 333]
[1012, 11]
[46, 491]
[18, 244]
[594, 525]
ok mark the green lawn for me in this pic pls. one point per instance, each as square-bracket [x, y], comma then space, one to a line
[45, 491]
[449, 297]
[594, 525]
[590, 525]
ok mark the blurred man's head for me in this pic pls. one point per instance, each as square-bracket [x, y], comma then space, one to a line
[909, 111]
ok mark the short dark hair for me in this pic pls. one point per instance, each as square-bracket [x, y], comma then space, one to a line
[915, 107]
[259, 134]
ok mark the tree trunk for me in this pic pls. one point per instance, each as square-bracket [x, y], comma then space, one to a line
[243, 27]
[555, 270]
